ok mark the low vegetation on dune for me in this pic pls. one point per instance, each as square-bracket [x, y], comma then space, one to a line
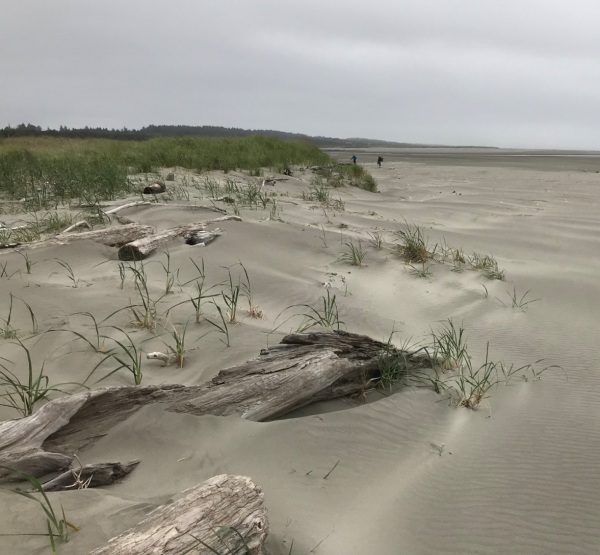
[340, 175]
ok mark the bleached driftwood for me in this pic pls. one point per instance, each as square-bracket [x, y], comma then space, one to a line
[111, 236]
[302, 369]
[82, 223]
[224, 512]
[90, 476]
[165, 204]
[142, 248]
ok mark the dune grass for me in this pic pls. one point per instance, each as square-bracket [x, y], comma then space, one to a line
[339, 175]
[47, 171]
[57, 524]
[353, 254]
[24, 395]
[413, 244]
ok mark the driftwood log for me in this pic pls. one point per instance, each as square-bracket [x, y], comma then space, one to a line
[302, 369]
[224, 512]
[142, 248]
[111, 236]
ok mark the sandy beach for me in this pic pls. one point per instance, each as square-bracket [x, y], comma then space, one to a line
[412, 473]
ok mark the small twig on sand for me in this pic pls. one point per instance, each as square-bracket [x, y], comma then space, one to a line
[334, 467]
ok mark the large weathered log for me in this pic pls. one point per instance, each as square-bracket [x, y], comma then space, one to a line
[138, 250]
[226, 513]
[111, 236]
[303, 369]
[90, 476]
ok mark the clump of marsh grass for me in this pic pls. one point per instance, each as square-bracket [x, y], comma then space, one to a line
[254, 311]
[28, 262]
[448, 347]
[7, 330]
[519, 302]
[231, 296]
[487, 264]
[221, 325]
[326, 315]
[178, 347]
[413, 246]
[144, 313]
[393, 365]
[70, 273]
[353, 255]
[376, 239]
[422, 272]
[128, 356]
[23, 396]
[453, 373]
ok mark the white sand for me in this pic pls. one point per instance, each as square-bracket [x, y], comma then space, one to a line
[519, 475]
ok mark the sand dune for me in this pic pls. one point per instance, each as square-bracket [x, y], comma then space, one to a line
[519, 475]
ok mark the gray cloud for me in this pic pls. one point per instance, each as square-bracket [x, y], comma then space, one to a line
[512, 73]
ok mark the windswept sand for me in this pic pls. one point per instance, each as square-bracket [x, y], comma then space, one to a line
[519, 475]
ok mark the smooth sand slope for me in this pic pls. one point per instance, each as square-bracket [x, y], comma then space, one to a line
[519, 475]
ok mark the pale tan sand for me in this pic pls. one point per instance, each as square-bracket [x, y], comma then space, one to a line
[520, 475]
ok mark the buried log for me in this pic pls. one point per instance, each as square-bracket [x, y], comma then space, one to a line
[90, 476]
[302, 369]
[225, 514]
[202, 237]
[142, 248]
[111, 236]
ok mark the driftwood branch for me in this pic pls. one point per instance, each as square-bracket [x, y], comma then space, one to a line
[82, 223]
[165, 204]
[226, 513]
[142, 248]
[90, 476]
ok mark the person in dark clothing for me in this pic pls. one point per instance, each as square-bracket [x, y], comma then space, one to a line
[353, 158]
[379, 160]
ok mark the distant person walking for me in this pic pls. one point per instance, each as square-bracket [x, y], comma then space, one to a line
[353, 158]
[379, 160]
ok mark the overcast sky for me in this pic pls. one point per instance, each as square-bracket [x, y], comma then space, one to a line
[514, 73]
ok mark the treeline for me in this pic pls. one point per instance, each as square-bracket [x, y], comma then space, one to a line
[153, 131]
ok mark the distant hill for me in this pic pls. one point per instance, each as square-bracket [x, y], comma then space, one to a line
[151, 131]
